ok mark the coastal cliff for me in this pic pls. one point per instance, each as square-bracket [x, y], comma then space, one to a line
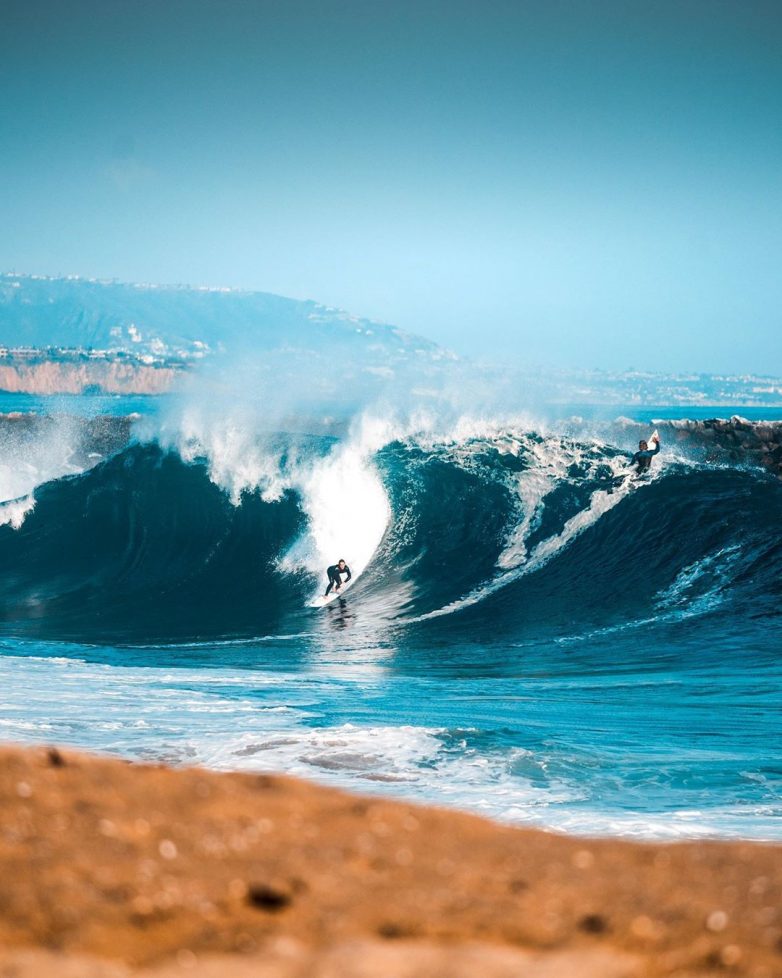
[107, 376]
[109, 869]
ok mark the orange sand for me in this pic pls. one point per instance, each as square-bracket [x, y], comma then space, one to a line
[109, 869]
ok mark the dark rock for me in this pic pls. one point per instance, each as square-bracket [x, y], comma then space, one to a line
[593, 923]
[271, 898]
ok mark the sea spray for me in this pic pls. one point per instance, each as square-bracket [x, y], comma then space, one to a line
[34, 451]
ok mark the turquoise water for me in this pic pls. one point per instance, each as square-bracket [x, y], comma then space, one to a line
[121, 404]
[81, 405]
[530, 634]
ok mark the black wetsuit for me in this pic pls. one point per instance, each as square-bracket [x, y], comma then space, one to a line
[334, 577]
[643, 460]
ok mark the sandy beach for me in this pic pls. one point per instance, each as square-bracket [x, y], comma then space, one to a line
[111, 869]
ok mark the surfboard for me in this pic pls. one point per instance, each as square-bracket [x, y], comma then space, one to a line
[652, 437]
[325, 599]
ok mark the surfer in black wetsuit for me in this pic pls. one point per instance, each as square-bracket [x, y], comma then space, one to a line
[335, 579]
[643, 457]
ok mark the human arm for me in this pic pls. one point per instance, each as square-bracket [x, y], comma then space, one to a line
[646, 453]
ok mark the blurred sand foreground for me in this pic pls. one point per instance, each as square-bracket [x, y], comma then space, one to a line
[110, 869]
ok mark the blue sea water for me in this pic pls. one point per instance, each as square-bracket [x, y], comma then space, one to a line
[530, 634]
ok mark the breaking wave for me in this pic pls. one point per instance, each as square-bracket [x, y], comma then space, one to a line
[216, 533]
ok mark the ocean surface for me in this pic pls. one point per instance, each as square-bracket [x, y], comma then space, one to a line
[531, 634]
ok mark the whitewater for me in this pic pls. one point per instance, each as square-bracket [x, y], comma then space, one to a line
[532, 633]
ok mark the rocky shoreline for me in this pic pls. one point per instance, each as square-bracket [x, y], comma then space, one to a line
[733, 440]
[110, 869]
[727, 441]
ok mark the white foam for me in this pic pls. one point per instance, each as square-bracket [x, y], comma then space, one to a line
[27, 460]
[714, 573]
[516, 556]
[548, 464]
[346, 753]
[340, 490]
[275, 721]
[13, 512]
[347, 511]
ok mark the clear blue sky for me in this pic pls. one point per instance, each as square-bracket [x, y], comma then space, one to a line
[544, 182]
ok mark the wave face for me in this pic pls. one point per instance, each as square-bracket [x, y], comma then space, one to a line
[513, 535]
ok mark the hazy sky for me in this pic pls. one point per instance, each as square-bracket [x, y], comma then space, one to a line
[549, 182]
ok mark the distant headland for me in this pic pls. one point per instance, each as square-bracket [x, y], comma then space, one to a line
[76, 335]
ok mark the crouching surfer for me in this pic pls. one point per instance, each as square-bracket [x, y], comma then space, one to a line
[335, 573]
[642, 459]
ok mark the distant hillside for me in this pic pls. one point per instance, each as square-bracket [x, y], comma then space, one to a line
[68, 335]
[179, 321]
[113, 374]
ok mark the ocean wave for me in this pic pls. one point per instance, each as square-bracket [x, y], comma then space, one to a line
[206, 532]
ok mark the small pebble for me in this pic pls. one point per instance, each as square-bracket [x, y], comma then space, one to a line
[167, 849]
[730, 955]
[593, 923]
[268, 897]
[717, 921]
[644, 928]
[23, 789]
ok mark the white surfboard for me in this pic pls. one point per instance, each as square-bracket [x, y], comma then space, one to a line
[325, 599]
[652, 439]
